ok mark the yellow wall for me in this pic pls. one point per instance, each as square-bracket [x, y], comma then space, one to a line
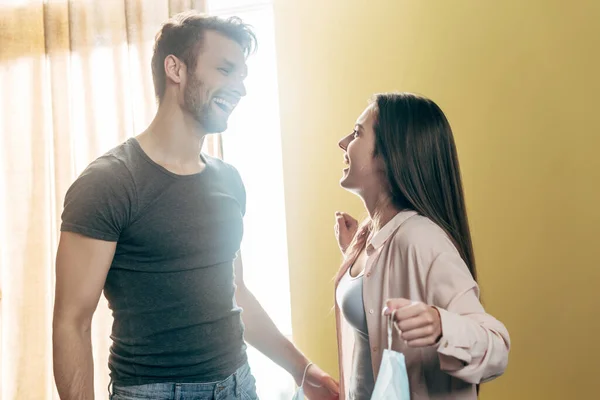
[519, 82]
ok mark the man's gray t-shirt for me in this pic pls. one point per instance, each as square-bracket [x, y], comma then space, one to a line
[171, 283]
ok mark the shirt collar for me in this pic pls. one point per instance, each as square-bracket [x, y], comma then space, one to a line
[382, 235]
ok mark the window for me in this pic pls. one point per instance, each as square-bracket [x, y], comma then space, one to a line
[253, 145]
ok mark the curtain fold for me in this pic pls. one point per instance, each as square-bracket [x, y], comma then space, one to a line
[75, 81]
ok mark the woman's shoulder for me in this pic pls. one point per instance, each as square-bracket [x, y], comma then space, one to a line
[420, 232]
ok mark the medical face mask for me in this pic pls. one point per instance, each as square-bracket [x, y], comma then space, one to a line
[392, 381]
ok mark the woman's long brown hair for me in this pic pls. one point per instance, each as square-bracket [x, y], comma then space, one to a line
[416, 144]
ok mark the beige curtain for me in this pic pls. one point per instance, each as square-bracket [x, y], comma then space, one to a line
[75, 81]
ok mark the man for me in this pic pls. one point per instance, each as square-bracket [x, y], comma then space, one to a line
[158, 226]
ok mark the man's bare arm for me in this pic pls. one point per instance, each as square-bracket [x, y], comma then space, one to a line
[262, 333]
[82, 264]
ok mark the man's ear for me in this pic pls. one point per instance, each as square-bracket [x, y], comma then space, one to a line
[174, 69]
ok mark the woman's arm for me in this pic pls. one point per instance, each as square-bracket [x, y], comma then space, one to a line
[474, 345]
[471, 344]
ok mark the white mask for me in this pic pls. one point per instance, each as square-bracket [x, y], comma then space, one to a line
[392, 381]
[299, 395]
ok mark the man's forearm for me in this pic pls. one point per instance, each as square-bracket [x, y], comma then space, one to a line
[262, 334]
[73, 362]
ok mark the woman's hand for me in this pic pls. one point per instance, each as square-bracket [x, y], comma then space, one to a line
[419, 323]
[345, 228]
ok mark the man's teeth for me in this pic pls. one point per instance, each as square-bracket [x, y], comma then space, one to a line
[224, 102]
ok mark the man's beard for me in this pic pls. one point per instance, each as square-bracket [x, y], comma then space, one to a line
[203, 112]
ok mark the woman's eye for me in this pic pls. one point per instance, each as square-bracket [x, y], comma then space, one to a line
[224, 71]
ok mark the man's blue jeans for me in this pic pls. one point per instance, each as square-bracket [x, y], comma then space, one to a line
[239, 386]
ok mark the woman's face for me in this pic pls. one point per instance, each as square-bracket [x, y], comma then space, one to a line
[364, 173]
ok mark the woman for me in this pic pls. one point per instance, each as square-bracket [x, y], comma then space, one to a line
[412, 255]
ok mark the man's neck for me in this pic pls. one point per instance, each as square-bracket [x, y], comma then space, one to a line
[174, 140]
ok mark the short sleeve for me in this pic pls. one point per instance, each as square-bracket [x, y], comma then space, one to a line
[99, 204]
[240, 189]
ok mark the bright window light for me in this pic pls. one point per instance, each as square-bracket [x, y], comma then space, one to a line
[253, 145]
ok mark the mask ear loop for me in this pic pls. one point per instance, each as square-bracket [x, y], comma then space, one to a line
[304, 375]
[391, 324]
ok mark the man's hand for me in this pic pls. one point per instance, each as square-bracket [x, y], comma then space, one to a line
[420, 324]
[320, 386]
[345, 228]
